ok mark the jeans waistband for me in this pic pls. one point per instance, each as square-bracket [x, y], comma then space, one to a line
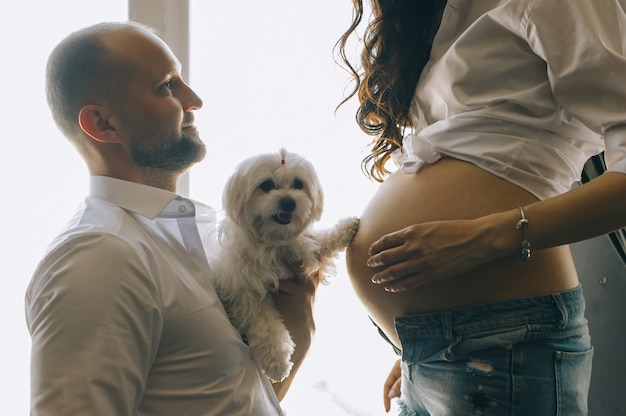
[556, 307]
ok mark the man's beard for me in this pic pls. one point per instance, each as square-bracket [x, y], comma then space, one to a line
[177, 157]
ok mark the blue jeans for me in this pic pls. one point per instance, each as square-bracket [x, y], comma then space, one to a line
[524, 357]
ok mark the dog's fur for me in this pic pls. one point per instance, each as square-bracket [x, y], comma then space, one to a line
[270, 203]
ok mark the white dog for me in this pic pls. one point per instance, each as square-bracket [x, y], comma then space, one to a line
[270, 203]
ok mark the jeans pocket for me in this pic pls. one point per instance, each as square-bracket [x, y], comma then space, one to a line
[572, 372]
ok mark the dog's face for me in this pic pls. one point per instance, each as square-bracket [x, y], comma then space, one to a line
[274, 196]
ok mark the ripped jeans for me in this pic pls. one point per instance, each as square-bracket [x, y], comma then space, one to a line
[524, 357]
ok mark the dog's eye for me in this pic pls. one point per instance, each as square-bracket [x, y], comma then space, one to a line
[298, 184]
[267, 186]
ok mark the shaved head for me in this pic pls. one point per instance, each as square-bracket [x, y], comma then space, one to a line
[83, 70]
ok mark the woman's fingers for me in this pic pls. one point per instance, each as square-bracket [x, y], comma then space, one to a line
[391, 388]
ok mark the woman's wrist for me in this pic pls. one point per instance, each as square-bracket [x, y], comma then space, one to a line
[502, 236]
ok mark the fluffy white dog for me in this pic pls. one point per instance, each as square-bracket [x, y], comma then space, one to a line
[270, 203]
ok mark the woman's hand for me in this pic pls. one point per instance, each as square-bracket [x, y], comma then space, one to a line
[392, 385]
[424, 253]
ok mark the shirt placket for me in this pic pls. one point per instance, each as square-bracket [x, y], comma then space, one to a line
[185, 213]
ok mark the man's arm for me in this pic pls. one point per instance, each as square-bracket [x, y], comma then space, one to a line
[94, 327]
[294, 299]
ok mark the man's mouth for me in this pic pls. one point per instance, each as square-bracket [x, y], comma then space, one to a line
[282, 218]
[188, 120]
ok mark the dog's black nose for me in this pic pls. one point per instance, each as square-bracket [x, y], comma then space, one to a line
[287, 204]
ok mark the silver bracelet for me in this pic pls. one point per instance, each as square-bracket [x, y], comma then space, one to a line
[523, 225]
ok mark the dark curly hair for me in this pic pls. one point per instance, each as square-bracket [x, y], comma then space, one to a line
[396, 46]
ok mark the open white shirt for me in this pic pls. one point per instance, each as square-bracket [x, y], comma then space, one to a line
[124, 321]
[526, 89]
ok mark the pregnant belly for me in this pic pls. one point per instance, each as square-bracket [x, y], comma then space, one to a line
[449, 189]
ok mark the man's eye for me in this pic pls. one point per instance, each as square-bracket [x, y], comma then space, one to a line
[298, 184]
[168, 85]
[267, 186]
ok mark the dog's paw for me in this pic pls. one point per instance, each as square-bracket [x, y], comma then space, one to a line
[270, 341]
[273, 356]
[277, 370]
[346, 229]
[338, 237]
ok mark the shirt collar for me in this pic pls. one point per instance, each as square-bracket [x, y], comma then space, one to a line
[142, 199]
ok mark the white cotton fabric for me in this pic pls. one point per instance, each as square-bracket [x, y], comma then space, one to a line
[526, 89]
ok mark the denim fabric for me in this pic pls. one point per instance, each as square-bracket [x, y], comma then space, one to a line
[528, 356]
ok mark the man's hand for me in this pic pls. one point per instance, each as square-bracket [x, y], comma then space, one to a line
[294, 300]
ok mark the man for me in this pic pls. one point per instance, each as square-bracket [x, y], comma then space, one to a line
[121, 313]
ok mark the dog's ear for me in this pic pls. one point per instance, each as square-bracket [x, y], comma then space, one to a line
[235, 195]
[318, 198]
[315, 188]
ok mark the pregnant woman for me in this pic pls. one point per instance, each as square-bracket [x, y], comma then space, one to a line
[489, 109]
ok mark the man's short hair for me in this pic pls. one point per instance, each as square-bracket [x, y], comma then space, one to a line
[81, 70]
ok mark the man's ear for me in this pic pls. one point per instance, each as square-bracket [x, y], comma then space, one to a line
[94, 120]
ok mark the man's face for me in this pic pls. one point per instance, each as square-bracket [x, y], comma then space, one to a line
[156, 113]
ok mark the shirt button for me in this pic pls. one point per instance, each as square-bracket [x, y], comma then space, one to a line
[182, 209]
